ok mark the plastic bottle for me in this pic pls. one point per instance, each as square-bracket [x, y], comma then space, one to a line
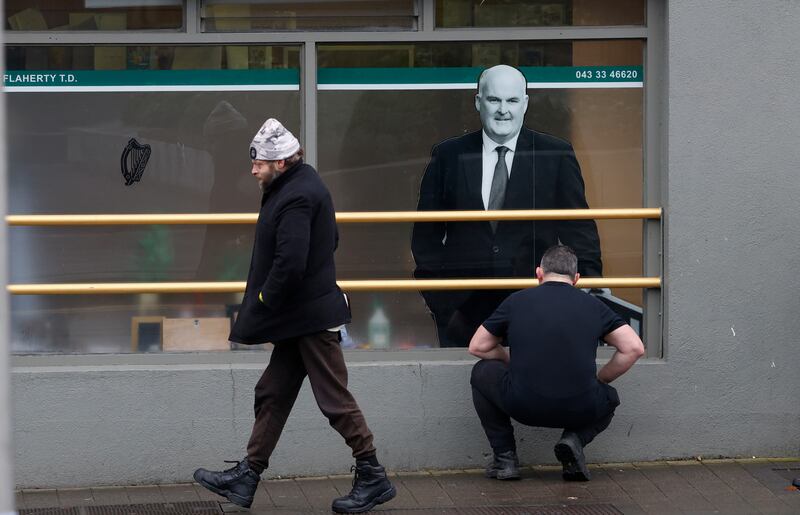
[378, 328]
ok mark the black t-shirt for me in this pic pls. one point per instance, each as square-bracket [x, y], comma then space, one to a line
[552, 332]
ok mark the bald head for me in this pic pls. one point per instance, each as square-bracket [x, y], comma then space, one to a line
[501, 102]
[504, 73]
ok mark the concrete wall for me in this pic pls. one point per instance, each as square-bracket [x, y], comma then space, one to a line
[729, 382]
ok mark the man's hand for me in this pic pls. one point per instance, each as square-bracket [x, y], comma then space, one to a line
[629, 349]
[485, 345]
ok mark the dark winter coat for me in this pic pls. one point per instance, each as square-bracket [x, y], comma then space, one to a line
[292, 265]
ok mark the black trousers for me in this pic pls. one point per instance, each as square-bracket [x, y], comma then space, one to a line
[319, 356]
[458, 315]
[586, 417]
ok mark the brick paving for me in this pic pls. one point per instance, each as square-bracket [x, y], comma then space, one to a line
[759, 486]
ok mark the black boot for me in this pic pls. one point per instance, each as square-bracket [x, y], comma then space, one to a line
[505, 465]
[569, 451]
[238, 484]
[370, 487]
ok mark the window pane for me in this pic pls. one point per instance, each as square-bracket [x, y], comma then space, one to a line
[382, 108]
[195, 109]
[122, 323]
[104, 15]
[538, 13]
[140, 58]
[268, 15]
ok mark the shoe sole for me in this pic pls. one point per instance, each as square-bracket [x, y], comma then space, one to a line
[232, 497]
[573, 470]
[386, 496]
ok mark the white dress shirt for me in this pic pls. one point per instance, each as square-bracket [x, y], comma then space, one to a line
[490, 161]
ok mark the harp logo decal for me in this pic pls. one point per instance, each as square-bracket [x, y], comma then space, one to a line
[133, 161]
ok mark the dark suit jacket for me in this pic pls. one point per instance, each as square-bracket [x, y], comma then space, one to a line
[292, 265]
[544, 175]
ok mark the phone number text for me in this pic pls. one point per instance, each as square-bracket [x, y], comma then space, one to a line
[607, 74]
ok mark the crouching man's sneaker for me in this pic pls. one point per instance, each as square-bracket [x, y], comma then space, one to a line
[238, 484]
[569, 451]
[370, 488]
[505, 465]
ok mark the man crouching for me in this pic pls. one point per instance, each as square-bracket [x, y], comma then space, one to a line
[552, 381]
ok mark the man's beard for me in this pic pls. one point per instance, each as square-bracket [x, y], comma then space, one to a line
[266, 183]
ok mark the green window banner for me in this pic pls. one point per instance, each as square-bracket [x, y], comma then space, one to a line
[538, 77]
[152, 80]
[332, 79]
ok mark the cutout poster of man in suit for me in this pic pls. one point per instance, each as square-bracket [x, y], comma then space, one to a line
[502, 166]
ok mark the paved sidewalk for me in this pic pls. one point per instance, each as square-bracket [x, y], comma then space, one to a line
[712, 486]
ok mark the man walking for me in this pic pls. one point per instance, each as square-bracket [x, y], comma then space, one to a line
[547, 377]
[292, 300]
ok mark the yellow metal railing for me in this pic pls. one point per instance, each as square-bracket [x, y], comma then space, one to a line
[364, 285]
[348, 285]
[365, 217]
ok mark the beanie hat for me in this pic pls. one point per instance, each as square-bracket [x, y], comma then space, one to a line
[273, 142]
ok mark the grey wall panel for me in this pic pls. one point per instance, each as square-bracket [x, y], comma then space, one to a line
[138, 425]
[733, 243]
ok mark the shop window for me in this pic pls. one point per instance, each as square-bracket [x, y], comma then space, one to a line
[135, 129]
[93, 15]
[268, 15]
[383, 107]
[164, 129]
[538, 13]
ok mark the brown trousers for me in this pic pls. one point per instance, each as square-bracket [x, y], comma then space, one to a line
[319, 356]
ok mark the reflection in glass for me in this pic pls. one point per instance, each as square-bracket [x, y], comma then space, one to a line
[538, 13]
[272, 15]
[93, 15]
[139, 57]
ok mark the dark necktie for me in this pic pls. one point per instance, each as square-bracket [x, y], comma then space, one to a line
[497, 194]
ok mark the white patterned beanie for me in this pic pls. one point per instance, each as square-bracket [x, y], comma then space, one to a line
[273, 142]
